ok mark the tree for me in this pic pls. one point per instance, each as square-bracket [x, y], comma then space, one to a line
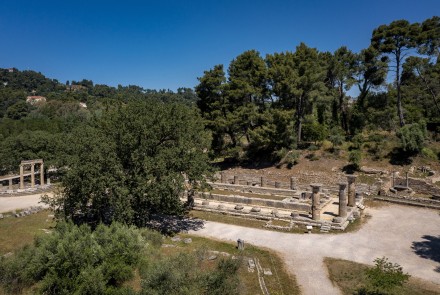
[132, 163]
[297, 80]
[18, 110]
[340, 76]
[396, 39]
[370, 72]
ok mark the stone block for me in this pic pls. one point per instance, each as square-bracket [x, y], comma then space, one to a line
[338, 220]
[238, 207]
[256, 209]
[187, 241]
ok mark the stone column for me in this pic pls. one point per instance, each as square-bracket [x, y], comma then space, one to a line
[32, 175]
[351, 190]
[41, 174]
[222, 177]
[393, 175]
[407, 180]
[342, 200]
[21, 177]
[236, 179]
[261, 181]
[10, 184]
[316, 212]
[292, 183]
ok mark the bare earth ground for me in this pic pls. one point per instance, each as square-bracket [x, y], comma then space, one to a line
[403, 234]
[13, 203]
[406, 235]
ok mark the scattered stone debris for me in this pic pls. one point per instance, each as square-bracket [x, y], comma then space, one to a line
[176, 239]
[168, 246]
[251, 265]
[212, 257]
[267, 272]
[187, 241]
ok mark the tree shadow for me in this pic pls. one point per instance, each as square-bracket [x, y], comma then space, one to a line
[428, 249]
[170, 225]
[400, 157]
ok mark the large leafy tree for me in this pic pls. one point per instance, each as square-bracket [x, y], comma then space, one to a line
[396, 40]
[132, 162]
[297, 80]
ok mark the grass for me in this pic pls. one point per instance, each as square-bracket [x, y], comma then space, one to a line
[18, 232]
[249, 195]
[281, 282]
[349, 276]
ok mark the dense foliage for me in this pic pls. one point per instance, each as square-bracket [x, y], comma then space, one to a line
[132, 162]
[75, 260]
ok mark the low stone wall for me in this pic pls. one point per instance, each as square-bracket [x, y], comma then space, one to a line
[258, 202]
[255, 189]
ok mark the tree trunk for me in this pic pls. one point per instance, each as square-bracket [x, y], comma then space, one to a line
[399, 95]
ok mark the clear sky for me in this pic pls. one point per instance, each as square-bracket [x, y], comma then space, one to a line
[167, 44]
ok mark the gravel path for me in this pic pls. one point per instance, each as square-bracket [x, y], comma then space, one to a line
[13, 203]
[390, 232]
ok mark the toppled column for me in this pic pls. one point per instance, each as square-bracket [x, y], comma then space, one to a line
[292, 183]
[32, 175]
[316, 212]
[351, 190]
[342, 200]
[21, 177]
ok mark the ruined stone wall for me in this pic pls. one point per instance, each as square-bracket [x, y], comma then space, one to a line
[419, 186]
[257, 202]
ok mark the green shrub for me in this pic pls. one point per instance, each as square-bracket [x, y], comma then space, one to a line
[428, 153]
[412, 137]
[77, 260]
[355, 158]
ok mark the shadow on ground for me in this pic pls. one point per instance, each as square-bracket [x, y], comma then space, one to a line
[429, 248]
[170, 225]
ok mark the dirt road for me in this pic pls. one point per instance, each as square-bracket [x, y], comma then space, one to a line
[13, 203]
[403, 234]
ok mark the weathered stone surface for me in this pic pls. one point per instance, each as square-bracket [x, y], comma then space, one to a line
[256, 209]
[267, 272]
[338, 220]
[205, 203]
[187, 241]
[176, 239]
[212, 257]
[238, 207]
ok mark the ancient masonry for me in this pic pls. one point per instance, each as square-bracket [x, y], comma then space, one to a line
[320, 206]
[26, 173]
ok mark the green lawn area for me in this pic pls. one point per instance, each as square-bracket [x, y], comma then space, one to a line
[350, 276]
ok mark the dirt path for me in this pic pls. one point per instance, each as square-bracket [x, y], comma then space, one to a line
[13, 203]
[392, 231]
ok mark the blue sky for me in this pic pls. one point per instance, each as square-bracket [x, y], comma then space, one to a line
[168, 44]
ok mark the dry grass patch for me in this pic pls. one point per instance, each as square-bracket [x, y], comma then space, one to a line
[349, 276]
[18, 232]
[281, 282]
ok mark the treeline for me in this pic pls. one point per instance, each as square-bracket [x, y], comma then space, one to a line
[263, 105]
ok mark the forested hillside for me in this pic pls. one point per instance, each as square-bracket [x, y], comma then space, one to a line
[261, 107]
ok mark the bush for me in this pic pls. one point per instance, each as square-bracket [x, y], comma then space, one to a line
[355, 158]
[76, 260]
[428, 154]
[412, 137]
[284, 156]
[385, 276]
